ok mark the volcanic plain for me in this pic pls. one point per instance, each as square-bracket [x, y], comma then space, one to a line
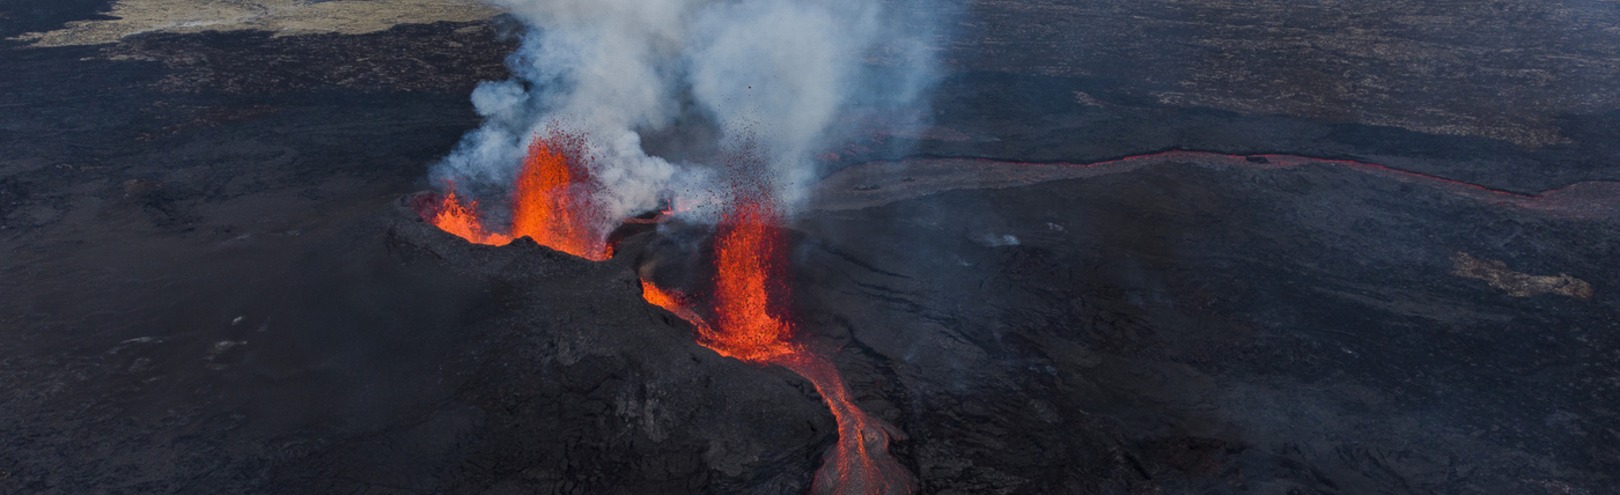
[1145, 247]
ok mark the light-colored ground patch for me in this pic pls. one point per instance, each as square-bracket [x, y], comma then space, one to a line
[1497, 275]
[283, 17]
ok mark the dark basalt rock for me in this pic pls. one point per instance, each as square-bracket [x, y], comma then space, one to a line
[1235, 336]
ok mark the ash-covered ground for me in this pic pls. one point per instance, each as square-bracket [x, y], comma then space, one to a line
[211, 280]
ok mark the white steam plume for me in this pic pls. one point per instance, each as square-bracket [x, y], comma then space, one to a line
[779, 73]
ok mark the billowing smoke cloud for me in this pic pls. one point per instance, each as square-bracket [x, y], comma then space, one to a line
[776, 74]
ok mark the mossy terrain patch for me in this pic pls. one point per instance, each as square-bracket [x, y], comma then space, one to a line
[283, 17]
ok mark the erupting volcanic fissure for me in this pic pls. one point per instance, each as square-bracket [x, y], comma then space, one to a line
[764, 83]
[748, 273]
[551, 202]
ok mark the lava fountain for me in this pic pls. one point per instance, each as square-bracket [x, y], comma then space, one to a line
[748, 291]
[550, 203]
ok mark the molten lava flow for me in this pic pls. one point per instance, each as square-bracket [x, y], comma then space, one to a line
[551, 203]
[671, 302]
[462, 221]
[860, 463]
[748, 271]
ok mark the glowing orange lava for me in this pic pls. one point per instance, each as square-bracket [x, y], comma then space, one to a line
[551, 203]
[672, 302]
[748, 271]
[860, 463]
[462, 220]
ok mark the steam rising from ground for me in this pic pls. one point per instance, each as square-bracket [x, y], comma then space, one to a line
[773, 75]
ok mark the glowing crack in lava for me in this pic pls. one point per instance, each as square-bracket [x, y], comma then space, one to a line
[748, 271]
[551, 203]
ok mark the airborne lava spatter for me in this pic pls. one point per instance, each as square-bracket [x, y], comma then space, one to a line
[551, 202]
